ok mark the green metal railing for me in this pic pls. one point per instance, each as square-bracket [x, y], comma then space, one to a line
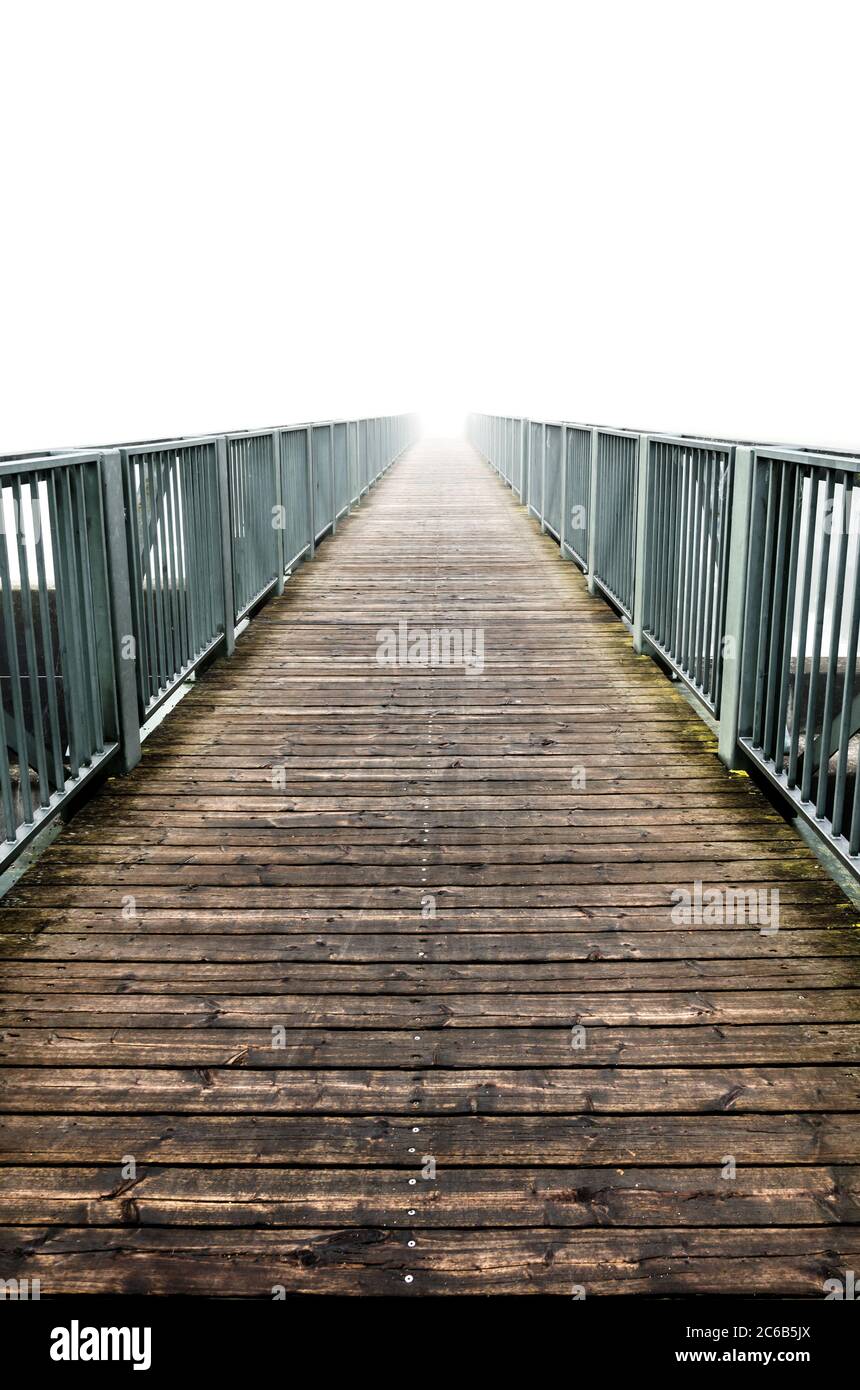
[735, 565]
[296, 495]
[58, 712]
[614, 555]
[799, 711]
[576, 486]
[322, 453]
[253, 462]
[172, 513]
[688, 510]
[533, 465]
[552, 480]
[122, 569]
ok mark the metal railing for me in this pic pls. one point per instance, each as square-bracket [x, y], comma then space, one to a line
[253, 468]
[322, 453]
[297, 495]
[552, 480]
[122, 569]
[58, 713]
[172, 506]
[576, 485]
[614, 507]
[799, 712]
[738, 567]
[688, 509]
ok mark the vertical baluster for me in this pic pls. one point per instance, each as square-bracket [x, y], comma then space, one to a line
[226, 532]
[822, 576]
[89, 530]
[809, 511]
[832, 666]
[37, 732]
[140, 618]
[776, 613]
[41, 526]
[847, 718]
[794, 517]
[66, 637]
[10, 624]
[765, 592]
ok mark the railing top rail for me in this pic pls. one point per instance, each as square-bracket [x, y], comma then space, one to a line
[139, 446]
[42, 462]
[617, 434]
[689, 441]
[702, 441]
[163, 446]
[252, 434]
[815, 459]
[531, 420]
[257, 433]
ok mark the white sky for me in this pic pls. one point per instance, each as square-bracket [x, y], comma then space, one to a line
[226, 215]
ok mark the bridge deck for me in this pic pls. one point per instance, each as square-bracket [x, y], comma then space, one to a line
[228, 969]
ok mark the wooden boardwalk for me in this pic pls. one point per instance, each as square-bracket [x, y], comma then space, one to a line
[349, 925]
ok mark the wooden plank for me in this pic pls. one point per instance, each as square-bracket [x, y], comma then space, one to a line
[347, 977]
[409, 852]
[140, 955]
[393, 1140]
[448, 1010]
[704, 1045]
[525, 1090]
[792, 1262]
[576, 897]
[423, 875]
[356, 921]
[460, 1197]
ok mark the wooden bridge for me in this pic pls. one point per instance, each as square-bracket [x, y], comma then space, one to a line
[372, 978]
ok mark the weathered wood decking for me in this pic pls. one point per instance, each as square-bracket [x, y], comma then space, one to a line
[276, 845]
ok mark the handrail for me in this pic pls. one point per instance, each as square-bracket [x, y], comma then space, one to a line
[735, 565]
[123, 569]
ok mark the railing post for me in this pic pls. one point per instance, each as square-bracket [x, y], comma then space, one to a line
[279, 512]
[333, 479]
[349, 467]
[226, 546]
[118, 600]
[309, 468]
[563, 489]
[543, 480]
[592, 514]
[524, 456]
[733, 640]
[643, 466]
